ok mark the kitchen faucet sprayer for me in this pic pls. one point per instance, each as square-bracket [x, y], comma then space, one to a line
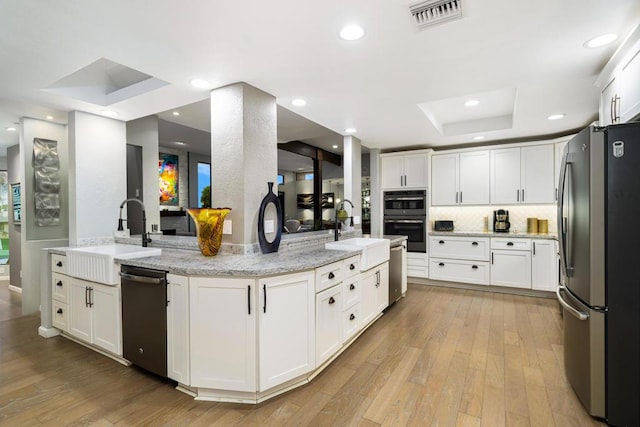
[145, 236]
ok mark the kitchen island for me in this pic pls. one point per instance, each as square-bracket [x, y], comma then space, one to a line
[240, 328]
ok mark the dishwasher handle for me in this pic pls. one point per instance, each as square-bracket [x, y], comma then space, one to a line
[142, 279]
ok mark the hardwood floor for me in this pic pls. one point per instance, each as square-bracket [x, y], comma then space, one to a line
[441, 357]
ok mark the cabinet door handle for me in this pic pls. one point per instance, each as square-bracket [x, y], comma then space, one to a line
[491, 257]
[474, 243]
[475, 267]
[352, 267]
[59, 311]
[534, 248]
[509, 243]
[351, 287]
[523, 195]
[264, 293]
[517, 195]
[612, 108]
[59, 283]
[249, 299]
[59, 263]
[461, 197]
[441, 242]
[352, 316]
[441, 264]
[331, 275]
[90, 296]
[86, 296]
[332, 301]
[456, 197]
[377, 278]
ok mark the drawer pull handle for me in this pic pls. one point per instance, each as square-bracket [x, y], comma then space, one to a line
[474, 243]
[475, 267]
[331, 275]
[441, 264]
[352, 267]
[352, 287]
[59, 263]
[509, 243]
[332, 300]
[352, 316]
[59, 311]
[59, 283]
[441, 242]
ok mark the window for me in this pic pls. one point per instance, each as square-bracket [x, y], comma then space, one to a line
[280, 179]
[204, 185]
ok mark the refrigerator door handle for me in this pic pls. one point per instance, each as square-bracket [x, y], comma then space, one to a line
[575, 313]
[562, 231]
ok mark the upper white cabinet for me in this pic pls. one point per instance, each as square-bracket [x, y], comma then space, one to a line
[405, 170]
[620, 84]
[523, 175]
[460, 178]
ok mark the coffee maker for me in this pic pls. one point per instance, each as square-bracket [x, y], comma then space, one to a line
[501, 222]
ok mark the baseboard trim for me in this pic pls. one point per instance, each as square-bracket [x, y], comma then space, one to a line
[485, 288]
[15, 289]
[48, 332]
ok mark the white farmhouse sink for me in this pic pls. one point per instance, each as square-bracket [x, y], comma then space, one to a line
[97, 263]
[374, 251]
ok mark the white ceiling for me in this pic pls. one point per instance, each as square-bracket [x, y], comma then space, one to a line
[290, 49]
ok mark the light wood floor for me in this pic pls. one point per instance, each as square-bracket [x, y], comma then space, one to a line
[441, 357]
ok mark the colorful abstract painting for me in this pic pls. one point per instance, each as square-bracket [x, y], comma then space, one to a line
[168, 171]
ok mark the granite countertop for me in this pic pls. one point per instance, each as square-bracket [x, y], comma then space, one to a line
[548, 236]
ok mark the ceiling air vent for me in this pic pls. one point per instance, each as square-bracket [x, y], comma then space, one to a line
[431, 12]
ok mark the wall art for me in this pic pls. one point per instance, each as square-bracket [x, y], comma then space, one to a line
[168, 174]
[46, 169]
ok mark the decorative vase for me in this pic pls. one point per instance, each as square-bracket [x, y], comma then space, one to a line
[209, 223]
[270, 213]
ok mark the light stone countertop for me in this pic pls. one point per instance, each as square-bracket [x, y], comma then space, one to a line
[493, 234]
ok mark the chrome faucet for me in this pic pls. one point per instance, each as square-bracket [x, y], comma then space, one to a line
[336, 231]
[146, 238]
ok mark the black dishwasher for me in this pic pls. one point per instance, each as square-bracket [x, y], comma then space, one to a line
[144, 318]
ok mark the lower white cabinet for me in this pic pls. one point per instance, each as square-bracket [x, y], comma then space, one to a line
[222, 324]
[544, 265]
[95, 314]
[287, 328]
[417, 265]
[375, 292]
[511, 268]
[178, 329]
[459, 270]
[328, 323]
[351, 321]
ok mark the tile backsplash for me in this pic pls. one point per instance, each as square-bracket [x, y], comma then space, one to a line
[471, 218]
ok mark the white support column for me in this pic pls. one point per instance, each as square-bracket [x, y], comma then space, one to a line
[353, 175]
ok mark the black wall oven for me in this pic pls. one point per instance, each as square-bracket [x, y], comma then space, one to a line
[405, 214]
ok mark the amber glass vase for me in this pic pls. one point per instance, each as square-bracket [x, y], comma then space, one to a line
[209, 223]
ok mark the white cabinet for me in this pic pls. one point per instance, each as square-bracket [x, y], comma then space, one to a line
[222, 324]
[406, 170]
[457, 270]
[417, 265]
[459, 259]
[559, 151]
[629, 98]
[544, 265]
[375, 292]
[287, 328]
[178, 329]
[511, 262]
[329, 306]
[523, 175]
[95, 314]
[59, 299]
[460, 178]
[609, 100]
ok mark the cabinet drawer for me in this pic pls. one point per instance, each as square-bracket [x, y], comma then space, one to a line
[466, 248]
[351, 266]
[459, 271]
[59, 315]
[421, 272]
[351, 291]
[59, 263]
[417, 259]
[351, 321]
[328, 276]
[517, 244]
[59, 287]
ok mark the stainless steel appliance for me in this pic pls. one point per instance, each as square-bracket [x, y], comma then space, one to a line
[397, 271]
[598, 211]
[405, 214]
[446, 225]
[501, 222]
[144, 318]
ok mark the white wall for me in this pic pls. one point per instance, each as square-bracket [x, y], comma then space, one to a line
[144, 133]
[97, 176]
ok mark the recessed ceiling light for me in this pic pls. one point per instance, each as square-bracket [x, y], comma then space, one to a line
[478, 138]
[601, 40]
[176, 113]
[49, 117]
[11, 129]
[555, 117]
[334, 146]
[181, 143]
[350, 130]
[471, 103]
[300, 169]
[299, 102]
[351, 32]
[200, 83]
[109, 113]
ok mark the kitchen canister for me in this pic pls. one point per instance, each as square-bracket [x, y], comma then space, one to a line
[543, 226]
[532, 225]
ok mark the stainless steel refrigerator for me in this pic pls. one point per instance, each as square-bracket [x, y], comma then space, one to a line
[599, 236]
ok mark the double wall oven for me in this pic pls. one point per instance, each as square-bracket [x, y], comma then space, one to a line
[405, 214]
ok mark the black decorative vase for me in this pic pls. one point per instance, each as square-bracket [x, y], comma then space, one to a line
[270, 210]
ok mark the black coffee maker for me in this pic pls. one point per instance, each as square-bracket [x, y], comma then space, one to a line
[501, 222]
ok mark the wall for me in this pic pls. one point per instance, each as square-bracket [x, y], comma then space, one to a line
[470, 218]
[97, 177]
[15, 230]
